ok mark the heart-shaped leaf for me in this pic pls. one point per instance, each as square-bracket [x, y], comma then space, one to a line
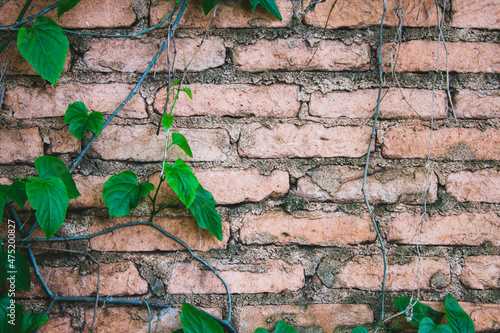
[208, 5]
[45, 47]
[65, 5]
[420, 311]
[33, 320]
[196, 321]
[15, 191]
[182, 180]
[52, 167]
[121, 193]
[11, 315]
[80, 121]
[19, 267]
[179, 140]
[167, 121]
[203, 210]
[458, 319]
[428, 326]
[282, 327]
[269, 5]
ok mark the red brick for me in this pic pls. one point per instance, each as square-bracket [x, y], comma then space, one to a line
[396, 103]
[228, 15]
[62, 141]
[391, 186]
[140, 143]
[362, 13]
[145, 238]
[310, 140]
[20, 145]
[53, 102]
[87, 14]
[90, 188]
[482, 14]
[463, 229]
[366, 273]
[477, 104]
[324, 317]
[134, 55]
[294, 54]
[483, 185]
[57, 324]
[421, 56]
[447, 143]
[486, 317]
[481, 272]
[234, 100]
[271, 276]
[310, 228]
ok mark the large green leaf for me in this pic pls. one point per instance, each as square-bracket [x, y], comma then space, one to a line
[458, 319]
[3, 202]
[420, 311]
[3, 266]
[203, 210]
[182, 180]
[33, 320]
[80, 121]
[360, 329]
[196, 321]
[208, 5]
[52, 167]
[15, 191]
[18, 267]
[65, 5]
[121, 193]
[269, 5]
[179, 140]
[428, 326]
[50, 200]
[11, 315]
[282, 327]
[45, 47]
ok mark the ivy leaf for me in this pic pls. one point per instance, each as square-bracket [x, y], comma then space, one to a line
[458, 319]
[428, 326]
[15, 191]
[196, 321]
[179, 140]
[80, 121]
[52, 167]
[65, 5]
[283, 327]
[167, 121]
[45, 47]
[203, 210]
[16, 262]
[50, 200]
[261, 330]
[31, 321]
[10, 321]
[121, 193]
[360, 329]
[208, 5]
[182, 180]
[269, 5]
[420, 311]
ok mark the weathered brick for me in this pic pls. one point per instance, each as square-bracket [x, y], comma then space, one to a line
[140, 143]
[316, 317]
[366, 273]
[271, 276]
[20, 145]
[477, 104]
[421, 56]
[396, 103]
[230, 14]
[90, 188]
[310, 228]
[463, 229]
[17, 65]
[144, 238]
[53, 102]
[362, 13]
[57, 324]
[62, 141]
[343, 184]
[293, 54]
[482, 14]
[234, 100]
[127, 55]
[447, 143]
[481, 272]
[310, 140]
[87, 14]
[482, 185]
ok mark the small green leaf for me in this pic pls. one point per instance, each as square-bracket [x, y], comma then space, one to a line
[3, 202]
[196, 321]
[31, 321]
[65, 5]
[428, 326]
[360, 329]
[203, 210]
[261, 330]
[52, 167]
[188, 92]
[282, 327]
[179, 140]
[182, 180]
[145, 188]
[420, 311]
[208, 5]
[269, 5]
[15, 191]
[458, 319]
[11, 315]
[50, 200]
[45, 47]
[19, 267]
[80, 121]
[167, 121]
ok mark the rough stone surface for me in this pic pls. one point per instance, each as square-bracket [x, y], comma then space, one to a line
[481, 272]
[314, 228]
[482, 14]
[294, 54]
[477, 104]
[57, 324]
[396, 104]
[482, 185]
[90, 188]
[20, 145]
[235, 100]
[63, 141]
[463, 229]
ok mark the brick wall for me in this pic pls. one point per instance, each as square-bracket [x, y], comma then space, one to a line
[298, 243]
